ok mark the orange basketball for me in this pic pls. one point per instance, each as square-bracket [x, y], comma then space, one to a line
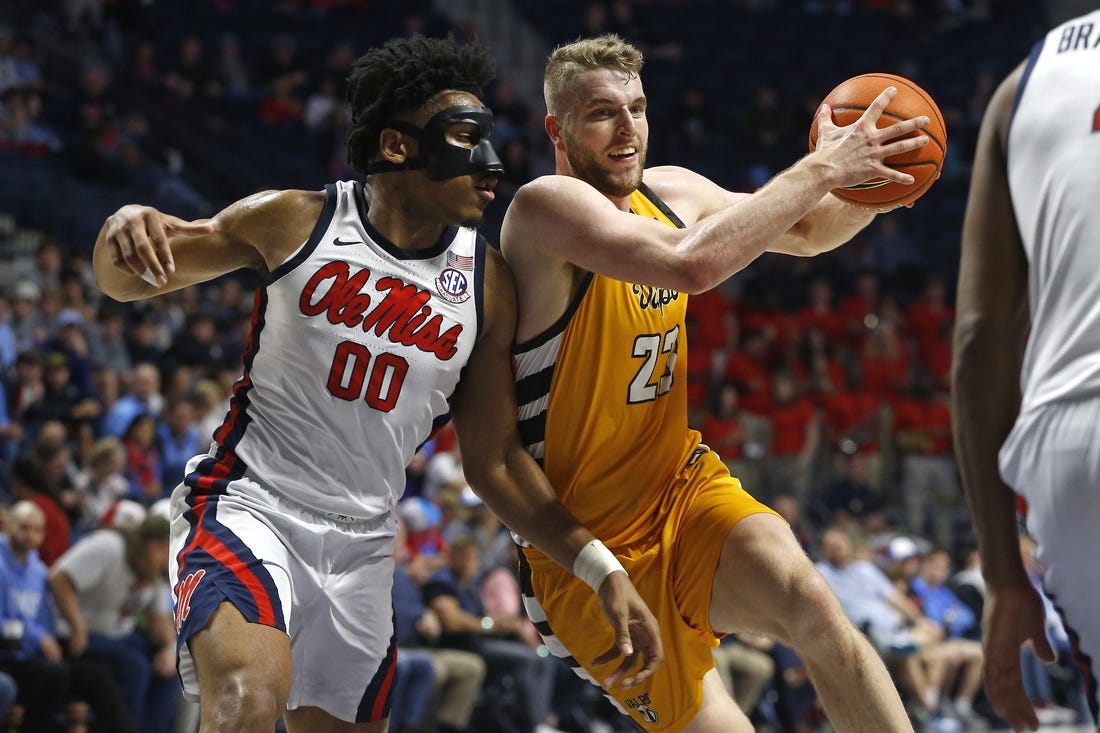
[848, 101]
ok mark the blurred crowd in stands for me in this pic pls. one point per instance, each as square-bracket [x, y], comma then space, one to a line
[824, 383]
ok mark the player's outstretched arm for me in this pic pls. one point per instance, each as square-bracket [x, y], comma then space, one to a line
[990, 325]
[565, 219]
[511, 484]
[141, 252]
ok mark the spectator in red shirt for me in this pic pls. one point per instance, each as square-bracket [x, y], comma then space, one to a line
[883, 361]
[926, 317]
[860, 309]
[815, 363]
[854, 421]
[715, 321]
[822, 313]
[723, 427]
[703, 368]
[795, 432]
[280, 109]
[738, 437]
[765, 311]
[28, 482]
[748, 369]
[929, 479]
[143, 460]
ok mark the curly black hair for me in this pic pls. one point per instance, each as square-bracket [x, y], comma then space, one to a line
[398, 78]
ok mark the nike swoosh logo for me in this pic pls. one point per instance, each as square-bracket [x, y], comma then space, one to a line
[340, 243]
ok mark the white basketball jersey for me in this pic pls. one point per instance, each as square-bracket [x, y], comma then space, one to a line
[356, 347]
[1053, 156]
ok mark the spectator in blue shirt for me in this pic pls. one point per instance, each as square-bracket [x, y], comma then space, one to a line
[144, 397]
[70, 340]
[179, 439]
[29, 651]
[896, 627]
[454, 594]
[456, 675]
[8, 349]
[10, 432]
[962, 657]
[937, 600]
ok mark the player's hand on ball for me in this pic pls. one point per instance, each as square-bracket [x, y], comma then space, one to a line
[637, 636]
[855, 104]
[857, 151]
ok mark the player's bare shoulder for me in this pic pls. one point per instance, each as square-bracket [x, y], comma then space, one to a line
[274, 223]
[550, 193]
[691, 195]
[542, 209]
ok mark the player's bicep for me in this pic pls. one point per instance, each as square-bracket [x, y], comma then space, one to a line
[568, 220]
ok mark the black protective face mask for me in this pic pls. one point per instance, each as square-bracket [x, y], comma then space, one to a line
[440, 159]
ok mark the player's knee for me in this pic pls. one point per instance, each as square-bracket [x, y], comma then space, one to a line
[244, 701]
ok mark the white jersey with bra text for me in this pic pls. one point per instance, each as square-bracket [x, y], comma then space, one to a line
[1053, 154]
[356, 348]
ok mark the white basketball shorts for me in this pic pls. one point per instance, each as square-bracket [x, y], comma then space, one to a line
[1052, 460]
[324, 579]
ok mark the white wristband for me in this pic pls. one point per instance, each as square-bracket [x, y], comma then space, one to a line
[594, 563]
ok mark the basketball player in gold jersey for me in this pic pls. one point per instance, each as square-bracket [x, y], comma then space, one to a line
[604, 254]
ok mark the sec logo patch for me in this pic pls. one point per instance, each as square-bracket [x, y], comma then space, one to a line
[453, 286]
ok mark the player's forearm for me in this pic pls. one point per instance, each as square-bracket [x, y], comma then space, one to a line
[986, 402]
[827, 226]
[726, 242]
[517, 492]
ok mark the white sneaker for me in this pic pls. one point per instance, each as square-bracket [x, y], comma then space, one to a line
[941, 724]
[547, 728]
[964, 712]
[1055, 715]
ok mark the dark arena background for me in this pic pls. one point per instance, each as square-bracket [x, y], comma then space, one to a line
[819, 380]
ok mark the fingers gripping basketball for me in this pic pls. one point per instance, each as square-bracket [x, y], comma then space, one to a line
[849, 100]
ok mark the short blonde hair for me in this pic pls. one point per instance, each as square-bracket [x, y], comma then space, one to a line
[567, 61]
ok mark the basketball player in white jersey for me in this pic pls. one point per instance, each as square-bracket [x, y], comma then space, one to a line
[381, 313]
[1030, 271]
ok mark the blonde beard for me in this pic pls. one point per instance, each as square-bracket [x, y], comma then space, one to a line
[585, 167]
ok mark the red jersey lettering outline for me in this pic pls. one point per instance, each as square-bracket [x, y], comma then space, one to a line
[402, 315]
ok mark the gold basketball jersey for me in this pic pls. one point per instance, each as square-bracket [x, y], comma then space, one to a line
[603, 402]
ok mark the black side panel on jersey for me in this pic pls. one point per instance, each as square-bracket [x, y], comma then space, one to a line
[558, 325]
[661, 205]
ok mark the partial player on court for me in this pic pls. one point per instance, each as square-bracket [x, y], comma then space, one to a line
[605, 253]
[1026, 416]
